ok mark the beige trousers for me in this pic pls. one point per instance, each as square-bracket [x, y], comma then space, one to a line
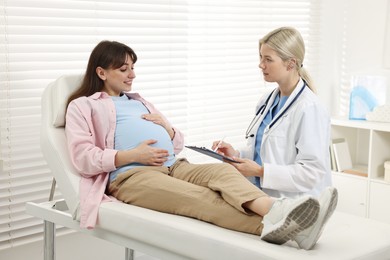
[209, 192]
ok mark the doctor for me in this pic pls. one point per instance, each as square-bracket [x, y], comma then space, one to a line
[287, 153]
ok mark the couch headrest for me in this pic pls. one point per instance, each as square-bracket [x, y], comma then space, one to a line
[62, 88]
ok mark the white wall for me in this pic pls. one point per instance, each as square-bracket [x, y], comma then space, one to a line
[329, 75]
[365, 21]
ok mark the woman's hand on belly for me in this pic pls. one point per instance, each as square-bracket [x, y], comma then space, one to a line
[144, 154]
[159, 120]
[148, 155]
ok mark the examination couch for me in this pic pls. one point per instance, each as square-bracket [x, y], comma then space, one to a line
[167, 236]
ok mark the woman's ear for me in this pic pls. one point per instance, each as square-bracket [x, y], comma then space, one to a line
[101, 73]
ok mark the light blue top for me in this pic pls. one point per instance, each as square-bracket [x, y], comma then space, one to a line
[131, 130]
[275, 108]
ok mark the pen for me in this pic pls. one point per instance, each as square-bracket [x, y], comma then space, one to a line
[220, 142]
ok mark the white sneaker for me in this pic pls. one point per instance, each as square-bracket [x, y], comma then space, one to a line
[288, 217]
[309, 237]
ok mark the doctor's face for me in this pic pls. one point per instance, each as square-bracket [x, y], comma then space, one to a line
[273, 67]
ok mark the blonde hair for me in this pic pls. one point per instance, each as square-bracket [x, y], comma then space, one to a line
[287, 42]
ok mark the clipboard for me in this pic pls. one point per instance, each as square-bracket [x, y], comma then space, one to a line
[210, 153]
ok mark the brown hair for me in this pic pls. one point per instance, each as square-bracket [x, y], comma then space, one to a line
[108, 55]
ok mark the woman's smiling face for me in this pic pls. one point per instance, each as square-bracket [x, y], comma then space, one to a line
[118, 80]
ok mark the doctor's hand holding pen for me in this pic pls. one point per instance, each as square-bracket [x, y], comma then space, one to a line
[224, 148]
[246, 167]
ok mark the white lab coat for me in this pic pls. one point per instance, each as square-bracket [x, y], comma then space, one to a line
[295, 150]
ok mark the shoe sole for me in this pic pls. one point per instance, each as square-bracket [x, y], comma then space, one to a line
[300, 218]
[331, 207]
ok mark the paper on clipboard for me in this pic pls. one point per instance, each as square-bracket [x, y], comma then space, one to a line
[210, 153]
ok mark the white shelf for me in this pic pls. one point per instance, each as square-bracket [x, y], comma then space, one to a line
[362, 124]
[369, 145]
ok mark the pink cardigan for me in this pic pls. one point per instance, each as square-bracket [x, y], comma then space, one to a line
[90, 127]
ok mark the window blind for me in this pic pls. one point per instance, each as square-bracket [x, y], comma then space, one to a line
[225, 82]
[42, 40]
[198, 63]
[345, 74]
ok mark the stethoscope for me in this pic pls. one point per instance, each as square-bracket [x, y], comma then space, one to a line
[261, 109]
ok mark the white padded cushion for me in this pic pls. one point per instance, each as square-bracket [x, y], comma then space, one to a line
[53, 139]
[345, 237]
[64, 87]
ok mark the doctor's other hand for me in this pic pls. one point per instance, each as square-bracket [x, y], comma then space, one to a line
[225, 149]
[248, 167]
